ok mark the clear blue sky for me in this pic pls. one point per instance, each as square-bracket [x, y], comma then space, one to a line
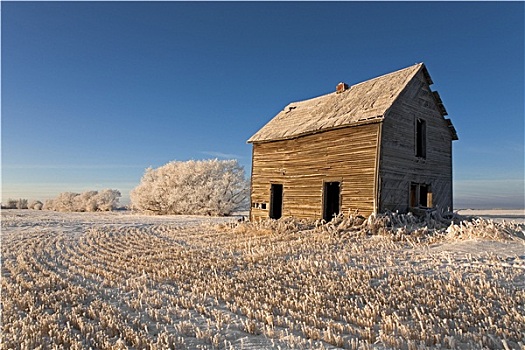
[95, 92]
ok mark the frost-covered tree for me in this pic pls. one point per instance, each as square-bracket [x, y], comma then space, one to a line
[49, 204]
[65, 201]
[106, 200]
[206, 187]
[11, 203]
[36, 205]
[90, 201]
[86, 201]
[21, 203]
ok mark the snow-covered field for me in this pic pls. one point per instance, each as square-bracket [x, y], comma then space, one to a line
[498, 215]
[125, 281]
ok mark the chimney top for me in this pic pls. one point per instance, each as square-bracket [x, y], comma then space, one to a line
[341, 87]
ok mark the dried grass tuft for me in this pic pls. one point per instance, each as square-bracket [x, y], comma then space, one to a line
[434, 225]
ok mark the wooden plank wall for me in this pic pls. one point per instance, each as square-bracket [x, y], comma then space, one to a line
[347, 155]
[399, 166]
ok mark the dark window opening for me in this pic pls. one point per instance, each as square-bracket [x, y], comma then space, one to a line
[421, 138]
[423, 196]
[420, 195]
[331, 194]
[276, 201]
[413, 195]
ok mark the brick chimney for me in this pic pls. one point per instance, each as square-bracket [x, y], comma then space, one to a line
[341, 87]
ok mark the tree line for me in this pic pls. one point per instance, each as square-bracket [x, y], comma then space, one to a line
[203, 187]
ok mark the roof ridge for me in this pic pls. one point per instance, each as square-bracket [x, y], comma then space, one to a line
[356, 84]
[387, 74]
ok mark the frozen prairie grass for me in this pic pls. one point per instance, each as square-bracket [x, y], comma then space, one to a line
[110, 281]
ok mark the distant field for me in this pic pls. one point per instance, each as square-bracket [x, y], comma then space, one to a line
[124, 281]
[517, 215]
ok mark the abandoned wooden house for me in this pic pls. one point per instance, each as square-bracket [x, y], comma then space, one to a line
[379, 145]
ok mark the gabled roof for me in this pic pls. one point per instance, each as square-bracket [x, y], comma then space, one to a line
[364, 102]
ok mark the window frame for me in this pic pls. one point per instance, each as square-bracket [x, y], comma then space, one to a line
[419, 191]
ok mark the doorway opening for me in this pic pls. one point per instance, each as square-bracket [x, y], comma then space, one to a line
[331, 200]
[276, 201]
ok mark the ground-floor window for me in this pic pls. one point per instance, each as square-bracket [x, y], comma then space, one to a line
[420, 195]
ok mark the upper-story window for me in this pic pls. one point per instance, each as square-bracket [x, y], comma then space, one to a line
[421, 138]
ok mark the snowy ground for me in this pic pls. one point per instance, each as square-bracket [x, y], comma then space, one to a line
[120, 280]
[498, 215]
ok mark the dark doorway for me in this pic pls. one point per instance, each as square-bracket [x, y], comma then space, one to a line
[276, 201]
[331, 193]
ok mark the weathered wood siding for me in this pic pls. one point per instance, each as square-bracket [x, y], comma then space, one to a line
[303, 164]
[399, 166]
